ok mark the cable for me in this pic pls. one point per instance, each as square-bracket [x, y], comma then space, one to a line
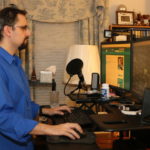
[66, 86]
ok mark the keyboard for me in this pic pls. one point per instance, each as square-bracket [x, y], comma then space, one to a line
[76, 116]
[145, 119]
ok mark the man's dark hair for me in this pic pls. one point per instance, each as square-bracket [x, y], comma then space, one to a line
[8, 16]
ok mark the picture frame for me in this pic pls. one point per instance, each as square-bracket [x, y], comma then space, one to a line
[125, 17]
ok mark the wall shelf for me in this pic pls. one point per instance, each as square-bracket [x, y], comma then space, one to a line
[133, 33]
[38, 83]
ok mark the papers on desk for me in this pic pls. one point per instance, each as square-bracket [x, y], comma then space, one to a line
[128, 112]
[102, 113]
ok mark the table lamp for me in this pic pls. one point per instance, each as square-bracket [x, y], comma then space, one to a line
[89, 55]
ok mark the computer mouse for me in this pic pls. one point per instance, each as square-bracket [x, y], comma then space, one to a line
[67, 139]
[85, 138]
[82, 135]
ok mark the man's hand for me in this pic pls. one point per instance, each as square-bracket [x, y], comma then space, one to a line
[56, 111]
[68, 129]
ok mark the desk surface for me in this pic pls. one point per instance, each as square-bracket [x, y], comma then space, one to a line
[41, 144]
[87, 98]
[69, 146]
[130, 122]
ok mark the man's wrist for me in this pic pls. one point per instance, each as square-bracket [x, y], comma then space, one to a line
[41, 109]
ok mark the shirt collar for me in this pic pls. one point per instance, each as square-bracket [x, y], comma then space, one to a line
[9, 58]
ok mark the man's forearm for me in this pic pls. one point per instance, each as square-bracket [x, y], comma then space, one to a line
[41, 129]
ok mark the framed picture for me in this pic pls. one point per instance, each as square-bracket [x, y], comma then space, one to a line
[125, 17]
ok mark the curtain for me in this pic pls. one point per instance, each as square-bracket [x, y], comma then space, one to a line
[59, 10]
[92, 16]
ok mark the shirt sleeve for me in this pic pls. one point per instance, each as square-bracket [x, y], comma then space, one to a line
[35, 109]
[13, 124]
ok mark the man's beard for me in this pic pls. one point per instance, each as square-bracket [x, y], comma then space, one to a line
[24, 44]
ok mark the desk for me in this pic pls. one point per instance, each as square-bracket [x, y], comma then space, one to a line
[87, 102]
[41, 144]
[69, 146]
[131, 122]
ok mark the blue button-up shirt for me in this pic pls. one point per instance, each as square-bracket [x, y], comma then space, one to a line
[16, 108]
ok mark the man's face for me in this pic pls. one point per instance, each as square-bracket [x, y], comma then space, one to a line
[20, 32]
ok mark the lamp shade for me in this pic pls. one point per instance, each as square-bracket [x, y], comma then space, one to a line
[89, 54]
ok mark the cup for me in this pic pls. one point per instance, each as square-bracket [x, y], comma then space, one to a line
[54, 98]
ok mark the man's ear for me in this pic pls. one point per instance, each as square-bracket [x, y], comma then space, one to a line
[7, 30]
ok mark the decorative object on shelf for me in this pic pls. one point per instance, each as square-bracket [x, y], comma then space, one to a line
[141, 19]
[120, 38]
[138, 19]
[45, 76]
[48, 74]
[33, 75]
[125, 17]
[107, 34]
[146, 20]
[122, 7]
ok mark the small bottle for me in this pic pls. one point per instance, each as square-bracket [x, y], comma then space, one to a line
[105, 90]
[33, 75]
[54, 95]
[53, 85]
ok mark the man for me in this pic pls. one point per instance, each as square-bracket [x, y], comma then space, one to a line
[17, 111]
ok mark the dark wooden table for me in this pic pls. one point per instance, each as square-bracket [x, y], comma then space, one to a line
[41, 144]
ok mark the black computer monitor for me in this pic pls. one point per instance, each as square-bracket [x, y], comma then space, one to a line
[135, 73]
[116, 65]
[140, 69]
